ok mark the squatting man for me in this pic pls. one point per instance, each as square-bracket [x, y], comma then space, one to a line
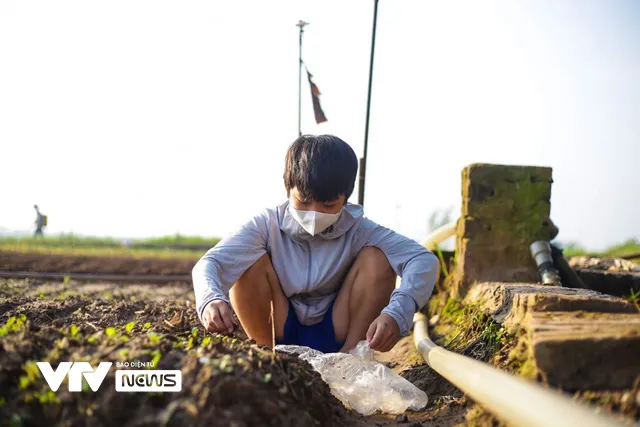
[315, 271]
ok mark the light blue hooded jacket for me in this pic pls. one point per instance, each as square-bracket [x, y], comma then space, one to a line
[311, 269]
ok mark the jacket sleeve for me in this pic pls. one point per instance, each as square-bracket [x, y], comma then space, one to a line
[417, 267]
[216, 272]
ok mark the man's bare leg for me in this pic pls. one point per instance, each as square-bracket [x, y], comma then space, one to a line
[252, 297]
[364, 293]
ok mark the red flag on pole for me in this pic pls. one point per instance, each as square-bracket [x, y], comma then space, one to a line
[315, 95]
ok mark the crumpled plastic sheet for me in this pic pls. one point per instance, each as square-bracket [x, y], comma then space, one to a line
[361, 383]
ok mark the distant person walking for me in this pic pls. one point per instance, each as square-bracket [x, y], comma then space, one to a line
[41, 222]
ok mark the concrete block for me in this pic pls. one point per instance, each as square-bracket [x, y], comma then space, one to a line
[610, 282]
[586, 351]
[504, 210]
[511, 303]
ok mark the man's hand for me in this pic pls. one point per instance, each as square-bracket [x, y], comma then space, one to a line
[217, 317]
[383, 333]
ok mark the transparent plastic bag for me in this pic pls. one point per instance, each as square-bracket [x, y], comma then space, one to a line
[361, 383]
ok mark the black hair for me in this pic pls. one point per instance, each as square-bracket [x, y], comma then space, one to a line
[321, 167]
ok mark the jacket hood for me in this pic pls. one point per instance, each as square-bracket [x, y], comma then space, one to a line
[349, 216]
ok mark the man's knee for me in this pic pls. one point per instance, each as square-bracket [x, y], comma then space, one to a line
[374, 262]
[260, 270]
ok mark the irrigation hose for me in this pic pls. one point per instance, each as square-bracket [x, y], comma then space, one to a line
[513, 399]
[439, 235]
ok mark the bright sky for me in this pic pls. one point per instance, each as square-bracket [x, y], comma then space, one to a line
[141, 118]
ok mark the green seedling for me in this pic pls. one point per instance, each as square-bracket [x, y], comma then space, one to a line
[147, 325]
[24, 382]
[32, 370]
[129, 327]
[48, 397]
[154, 338]
[73, 330]
[635, 298]
[226, 365]
[63, 295]
[110, 332]
[14, 324]
[53, 355]
[156, 359]
[62, 343]
[233, 341]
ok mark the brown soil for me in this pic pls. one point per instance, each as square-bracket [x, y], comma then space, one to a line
[56, 263]
[238, 384]
[225, 378]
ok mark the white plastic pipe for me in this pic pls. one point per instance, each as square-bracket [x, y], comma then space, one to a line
[439, 235]
[516, 401]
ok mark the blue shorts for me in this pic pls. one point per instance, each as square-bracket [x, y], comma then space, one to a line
[320, 336]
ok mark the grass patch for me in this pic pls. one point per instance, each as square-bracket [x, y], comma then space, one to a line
[634, 298]
[110, 252]
[167, 246]
[178, 239]
[467, 330]
[72, 240]
[629, 247]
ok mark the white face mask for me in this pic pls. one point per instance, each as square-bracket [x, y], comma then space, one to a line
[313, 222]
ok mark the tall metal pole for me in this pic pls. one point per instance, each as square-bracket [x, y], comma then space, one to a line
[301, 24]
[363, 160]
